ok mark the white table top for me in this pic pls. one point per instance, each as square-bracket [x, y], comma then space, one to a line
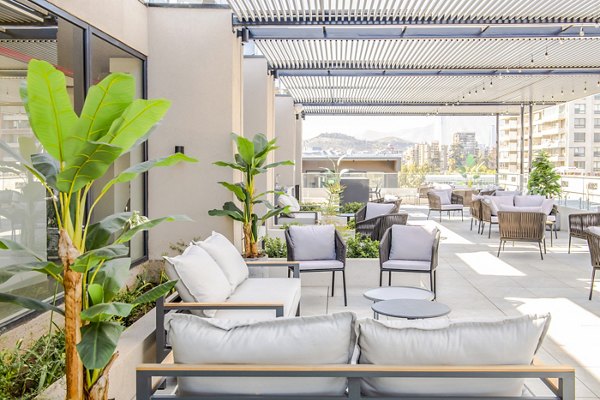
[398, 292]
[411, 309]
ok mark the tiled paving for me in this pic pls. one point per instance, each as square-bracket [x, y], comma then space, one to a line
[475, 283]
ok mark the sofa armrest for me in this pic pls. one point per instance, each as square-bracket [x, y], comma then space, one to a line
[295, 265]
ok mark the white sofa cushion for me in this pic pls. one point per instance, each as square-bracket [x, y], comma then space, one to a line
[199, 278]
[377, 209]
[227, 257]
[315, 242]
[509, 208]
[509, 341]
[286, 200]
[450, 207]
[321, 264]
[532, 200]
[327, 339]
[263, 290]
[495, 202]
[412, 242]
[404, 265]
[501, 193]
[547, 206]
[444, 195]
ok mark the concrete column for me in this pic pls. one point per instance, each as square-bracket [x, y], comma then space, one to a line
[259, 113]
[298, 158]
[522, 149]
[197, 64]
[285, 132]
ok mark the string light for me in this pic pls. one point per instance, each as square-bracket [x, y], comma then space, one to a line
[581, 32]
[546, 53]
[532, 59]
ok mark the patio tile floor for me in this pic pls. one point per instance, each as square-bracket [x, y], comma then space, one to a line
[475, 283]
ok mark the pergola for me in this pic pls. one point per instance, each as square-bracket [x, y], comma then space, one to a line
[416, 57]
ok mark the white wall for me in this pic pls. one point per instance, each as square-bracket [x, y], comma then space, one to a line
[285, 132]
[126, 20]
[195, 61]
[259, 112]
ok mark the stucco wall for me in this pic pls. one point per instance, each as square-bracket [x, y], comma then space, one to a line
[196, 63]
[126, 20]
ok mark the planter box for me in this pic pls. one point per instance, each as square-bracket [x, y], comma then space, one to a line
[136, 346]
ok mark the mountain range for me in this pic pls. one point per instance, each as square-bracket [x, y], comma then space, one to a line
[340, 143]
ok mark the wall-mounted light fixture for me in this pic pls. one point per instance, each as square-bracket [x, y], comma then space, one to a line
[179, 149]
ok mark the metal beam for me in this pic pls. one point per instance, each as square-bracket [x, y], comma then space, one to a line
[434, 72]
[415, 104]
[325, 18]
[325, 31]
[391, 114]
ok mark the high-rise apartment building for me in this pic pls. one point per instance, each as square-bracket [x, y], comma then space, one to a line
[569, 133]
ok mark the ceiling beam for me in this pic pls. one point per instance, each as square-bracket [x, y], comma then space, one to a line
[308, 72]
[432, 104]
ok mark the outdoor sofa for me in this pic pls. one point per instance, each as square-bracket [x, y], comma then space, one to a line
[213, 282]
[336, 356]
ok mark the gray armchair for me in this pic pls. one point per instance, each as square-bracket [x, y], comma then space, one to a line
[578, 224]
[374, 218]
[318, 248]
[593, 239]
[410, 248]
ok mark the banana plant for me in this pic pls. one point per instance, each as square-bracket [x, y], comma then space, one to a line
[251, 160]
[78, 150]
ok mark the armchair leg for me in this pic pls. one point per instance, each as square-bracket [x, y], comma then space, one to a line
[592, 285]
[344, 282]
[389, 278]
[380, 277]
[428, 213]
[289, 272]
[499, 248]
[471, 223]
[441, 216]
[569, 243]
[490, 231]
[541, 254]
[332, 283]
[432, 282]
[462, 215]
[544, 245]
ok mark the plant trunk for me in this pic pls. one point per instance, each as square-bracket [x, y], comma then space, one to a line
[250, 247]
[73, 296]
[99, 391]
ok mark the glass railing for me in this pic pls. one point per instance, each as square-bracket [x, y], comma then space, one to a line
[579, 192]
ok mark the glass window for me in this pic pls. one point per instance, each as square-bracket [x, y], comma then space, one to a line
[596, 166]
[597, 97]
[579, 137]
[579, 164]
[26, 214]
[107, 58]
[597, 137]
[596, 151]
[579, 108]
[596, 108]
[579, 151]
[596, 122]
[579, 122]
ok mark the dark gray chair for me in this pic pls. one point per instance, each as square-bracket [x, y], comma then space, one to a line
[409, 248]
[375, 226]
[593, 239]
[578, 224]
[318, 250]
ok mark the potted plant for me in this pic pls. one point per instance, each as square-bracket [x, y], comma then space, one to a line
[334, 188]
[545, 181]
[94, 257]
[250, 160]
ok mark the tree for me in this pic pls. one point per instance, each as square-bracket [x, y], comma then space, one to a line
[543, 179]
[79, 150]
[251, 160]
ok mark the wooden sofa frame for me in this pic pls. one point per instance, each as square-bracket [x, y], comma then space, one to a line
[559, 379]
[166, 305]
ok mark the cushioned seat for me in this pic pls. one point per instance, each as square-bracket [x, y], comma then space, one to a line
[494, 219]
[446, 207]
[321, 264]
[551, 218]
[255, 290]
[407, 265]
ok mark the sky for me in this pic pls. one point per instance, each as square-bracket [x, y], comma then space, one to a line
[413, 128]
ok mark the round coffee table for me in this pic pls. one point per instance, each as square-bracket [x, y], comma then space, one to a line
[410, 309]
[398, 292]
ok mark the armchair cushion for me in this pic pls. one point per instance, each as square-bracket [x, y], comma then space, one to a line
[444, 195]
[315, 242]
[495, 202]
[547, 206]
[450, 207]
[285, 200]
[509, 208]
[411, 242]
[504, 341]
[199, 278]
[321, 264]
[377, 209]
[501, 193]
[284, 291]
[327, 339]
[529, 201]
[407, 265]
[227, 257]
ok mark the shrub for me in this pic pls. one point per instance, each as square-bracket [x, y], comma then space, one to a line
[275, 247]
[543, 179]
[311, 206]
[361, 246]
[351, 208]
[24, 373]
